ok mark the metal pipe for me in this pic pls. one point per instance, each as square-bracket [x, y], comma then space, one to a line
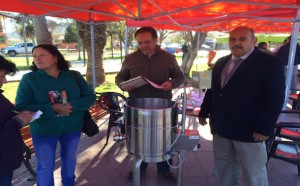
[126, 40]
[181, 153]
[290, 66]
[93, 49]
[137, 171]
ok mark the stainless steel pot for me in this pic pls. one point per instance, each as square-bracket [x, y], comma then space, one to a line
[150, 126]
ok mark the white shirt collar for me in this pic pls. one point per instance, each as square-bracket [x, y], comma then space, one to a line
[244, 56]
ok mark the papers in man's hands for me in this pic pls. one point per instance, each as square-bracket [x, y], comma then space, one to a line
[138, 82]
[153, 84]
[133, 83]
[36, 115]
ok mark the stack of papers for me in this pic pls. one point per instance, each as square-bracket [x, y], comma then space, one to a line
[134, 82]
[138, 82]
[36, 115]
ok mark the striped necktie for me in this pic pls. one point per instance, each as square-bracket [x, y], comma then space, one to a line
[229, 70]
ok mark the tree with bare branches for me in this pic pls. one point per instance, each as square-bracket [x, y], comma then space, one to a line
[43, 36]
[190, 57]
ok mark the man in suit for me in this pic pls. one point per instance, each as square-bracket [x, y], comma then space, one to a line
[243, 105]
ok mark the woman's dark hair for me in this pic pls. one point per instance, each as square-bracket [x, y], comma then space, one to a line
[8, 66]
[151, 30]
[62, 64]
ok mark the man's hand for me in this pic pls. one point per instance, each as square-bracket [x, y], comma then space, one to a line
[25, 116]
[202, 121]
[167, 85]
[129, 88]
[259, 137]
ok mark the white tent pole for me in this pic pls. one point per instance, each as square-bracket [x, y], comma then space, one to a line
[24, 18]
[289, 71]
[93, 49]
[198, 42]
[126, 40]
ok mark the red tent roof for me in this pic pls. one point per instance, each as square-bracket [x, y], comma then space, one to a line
[206, 15]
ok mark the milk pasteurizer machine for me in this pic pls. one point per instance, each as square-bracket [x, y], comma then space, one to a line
[153, 133]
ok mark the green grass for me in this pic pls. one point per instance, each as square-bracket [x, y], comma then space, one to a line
[10, 89]
[109, 85]
[21, 62]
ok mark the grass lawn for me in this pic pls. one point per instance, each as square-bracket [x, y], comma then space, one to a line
[10, 89]
[21, 62]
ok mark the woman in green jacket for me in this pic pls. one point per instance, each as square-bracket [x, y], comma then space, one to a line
[52, 88]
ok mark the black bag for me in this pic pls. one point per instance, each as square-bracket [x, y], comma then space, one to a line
[90, 128]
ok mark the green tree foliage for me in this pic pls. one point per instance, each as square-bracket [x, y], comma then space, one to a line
[71, 33]
[117, 31]
[20, 19]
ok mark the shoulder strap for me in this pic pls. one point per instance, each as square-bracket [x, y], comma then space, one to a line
[77, 80]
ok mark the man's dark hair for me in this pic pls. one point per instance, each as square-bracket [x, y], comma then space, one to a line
[151, 30]
[9, 67]
[261, 45]
[62, 64]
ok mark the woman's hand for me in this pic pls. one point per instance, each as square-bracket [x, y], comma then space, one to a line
[62, 109]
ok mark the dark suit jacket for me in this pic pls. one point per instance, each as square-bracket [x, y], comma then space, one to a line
[250, 102]
[10, 138]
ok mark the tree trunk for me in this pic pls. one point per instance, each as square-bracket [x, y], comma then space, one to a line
[43, 36]
[189, 59]
[100, 41]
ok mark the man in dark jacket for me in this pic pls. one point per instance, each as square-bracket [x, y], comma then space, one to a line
[159, 67]
[283, 53]
[185, 50]
[243, 105]
[10, 124]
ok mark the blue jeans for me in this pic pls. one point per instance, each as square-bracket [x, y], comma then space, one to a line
[45, 148]
[5, 180]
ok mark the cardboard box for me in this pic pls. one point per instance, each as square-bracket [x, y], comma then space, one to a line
[201, 79]
[187, 141]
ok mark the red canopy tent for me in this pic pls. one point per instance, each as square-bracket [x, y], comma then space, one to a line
[206, 15]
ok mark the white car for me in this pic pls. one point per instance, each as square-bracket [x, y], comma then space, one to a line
[17, 49]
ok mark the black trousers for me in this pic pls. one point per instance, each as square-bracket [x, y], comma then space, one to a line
[162, 167]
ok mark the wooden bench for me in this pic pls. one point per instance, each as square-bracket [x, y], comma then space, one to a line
[28, 150]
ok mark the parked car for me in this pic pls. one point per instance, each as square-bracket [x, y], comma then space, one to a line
[171, 48]
[203, 50]
[19, 48]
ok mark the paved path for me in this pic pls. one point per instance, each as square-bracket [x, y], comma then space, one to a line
[108, 165]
